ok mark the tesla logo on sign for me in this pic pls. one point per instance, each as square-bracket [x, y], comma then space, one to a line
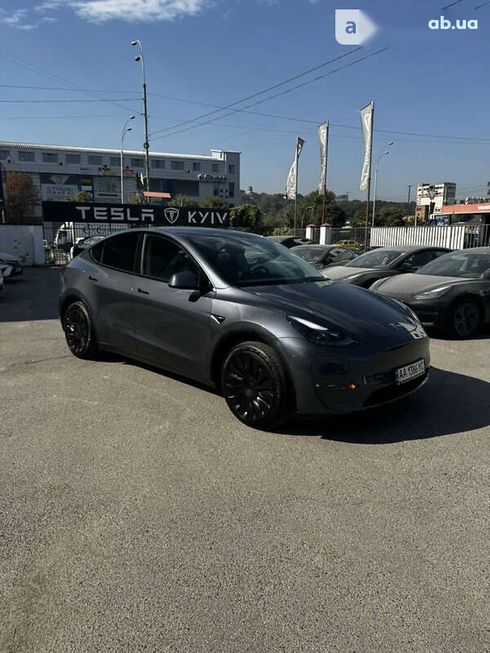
[172, 215]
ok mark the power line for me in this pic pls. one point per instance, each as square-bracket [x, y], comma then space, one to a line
[266, 90]
[288, 90]
[63, 101]
[41, 71]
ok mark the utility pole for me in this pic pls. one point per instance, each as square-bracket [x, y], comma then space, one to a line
[141, 59]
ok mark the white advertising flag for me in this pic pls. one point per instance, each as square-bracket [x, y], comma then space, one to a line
[292, 182]
[323, 136]
[367, 115]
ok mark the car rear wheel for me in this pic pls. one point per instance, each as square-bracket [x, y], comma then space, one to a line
[464, 319]
[254, 384]
[79, 332]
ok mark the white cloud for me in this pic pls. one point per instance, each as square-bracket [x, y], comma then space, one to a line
[19, 19]
[141, 11]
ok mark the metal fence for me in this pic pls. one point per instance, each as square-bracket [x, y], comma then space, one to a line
[59, 238]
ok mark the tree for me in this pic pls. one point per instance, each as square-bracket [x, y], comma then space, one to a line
[246, 218]
[215, 203]
[310, 210]
[183, 202]
[22, 197]
[83, 196]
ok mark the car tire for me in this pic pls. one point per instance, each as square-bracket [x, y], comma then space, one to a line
[79, 331]
[255, 386]
[463, 319]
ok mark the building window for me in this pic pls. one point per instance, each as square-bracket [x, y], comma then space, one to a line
[215, 167]
[4, 155]
[159, 164]
[137, 163]
[73, 159]
[231, 169]
[177, 165]
[27, 156]
[50, 157]
[231, 189]
[196, 166]
[95, 160]
[114, 161]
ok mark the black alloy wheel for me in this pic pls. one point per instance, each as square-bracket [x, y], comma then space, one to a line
[254, 385]
[464, 319]
[79, 332]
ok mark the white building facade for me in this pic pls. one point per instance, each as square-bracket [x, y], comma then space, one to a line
[61, 173]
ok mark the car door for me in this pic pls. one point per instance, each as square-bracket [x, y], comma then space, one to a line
[172, 326]
[110, 289]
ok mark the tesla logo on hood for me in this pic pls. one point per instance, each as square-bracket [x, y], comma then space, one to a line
[172, 215]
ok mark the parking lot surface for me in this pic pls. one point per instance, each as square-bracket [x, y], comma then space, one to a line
[138, 515]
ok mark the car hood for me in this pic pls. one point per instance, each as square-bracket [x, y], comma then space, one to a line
[356, 311]
[342, 272]
[404, 285]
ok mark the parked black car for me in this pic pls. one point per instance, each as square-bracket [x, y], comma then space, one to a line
[323, 256]
[451, 294]
[385, 262]
[239, 312]
[290, 241]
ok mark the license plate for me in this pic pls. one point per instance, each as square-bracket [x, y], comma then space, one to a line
[409, 372]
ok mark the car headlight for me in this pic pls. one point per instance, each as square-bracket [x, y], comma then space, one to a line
[433, 294]
[320, 334]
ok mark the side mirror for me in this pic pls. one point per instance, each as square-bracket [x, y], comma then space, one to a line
[185, 280]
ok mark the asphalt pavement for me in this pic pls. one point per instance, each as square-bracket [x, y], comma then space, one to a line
[136, 514]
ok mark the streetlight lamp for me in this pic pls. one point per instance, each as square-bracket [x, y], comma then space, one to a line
[308, 208]
[125, 130]
[141, 59]
[382, 154]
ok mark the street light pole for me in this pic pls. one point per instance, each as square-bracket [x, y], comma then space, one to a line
[308, 208]
[125, 130]
[380, 156]
[141, 59]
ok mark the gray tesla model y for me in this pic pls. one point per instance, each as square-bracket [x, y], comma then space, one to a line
[237, 311]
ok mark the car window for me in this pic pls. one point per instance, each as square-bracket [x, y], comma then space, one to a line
[418, 259]
[381, 258]
[458, 264]
[118, 251]
[163, 258]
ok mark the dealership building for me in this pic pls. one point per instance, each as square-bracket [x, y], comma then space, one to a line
[61, 173]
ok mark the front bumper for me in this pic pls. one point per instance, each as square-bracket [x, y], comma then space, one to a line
[323, 378]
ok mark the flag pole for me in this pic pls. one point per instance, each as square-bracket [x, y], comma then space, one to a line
[369, 181]
[296, 189]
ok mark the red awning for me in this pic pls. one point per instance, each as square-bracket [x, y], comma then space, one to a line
[160, 196]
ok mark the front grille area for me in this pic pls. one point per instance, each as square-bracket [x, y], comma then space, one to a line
[392, 392]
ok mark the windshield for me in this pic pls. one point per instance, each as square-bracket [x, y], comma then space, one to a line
[309, 254]
[381, 258]
[458, 264]
[248, 260]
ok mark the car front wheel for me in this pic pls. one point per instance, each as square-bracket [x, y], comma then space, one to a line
[79, 332]
[463, 319]
[254, 384]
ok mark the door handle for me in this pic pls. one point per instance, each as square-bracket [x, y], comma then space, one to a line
[143, 292]
[92, 278]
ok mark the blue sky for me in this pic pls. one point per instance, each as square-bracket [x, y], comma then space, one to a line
[214, 52]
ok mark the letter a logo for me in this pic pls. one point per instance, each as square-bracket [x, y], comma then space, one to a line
[353, 27]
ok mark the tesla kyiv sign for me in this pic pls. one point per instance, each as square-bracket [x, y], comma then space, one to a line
[137, 214]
